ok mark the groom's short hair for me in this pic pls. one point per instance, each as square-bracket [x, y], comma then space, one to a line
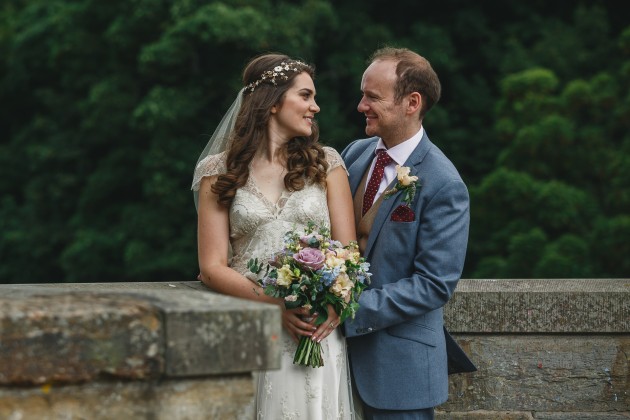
[415, 74]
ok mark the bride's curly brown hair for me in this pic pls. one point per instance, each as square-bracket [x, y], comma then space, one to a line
[306, 159]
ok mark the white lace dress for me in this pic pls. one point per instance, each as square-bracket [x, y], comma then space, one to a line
[257, 227]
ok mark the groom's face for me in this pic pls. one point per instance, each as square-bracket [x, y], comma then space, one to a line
[383, 116]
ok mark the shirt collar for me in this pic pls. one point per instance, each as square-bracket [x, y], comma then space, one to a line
[401, 152]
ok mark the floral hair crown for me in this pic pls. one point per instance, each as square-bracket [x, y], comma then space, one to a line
[279, 71]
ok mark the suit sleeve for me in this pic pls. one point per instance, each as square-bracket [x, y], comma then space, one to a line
[440, 250]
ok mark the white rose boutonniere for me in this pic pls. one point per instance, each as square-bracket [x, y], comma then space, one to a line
[408, 184]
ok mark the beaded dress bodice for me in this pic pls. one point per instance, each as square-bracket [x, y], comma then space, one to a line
[257, 225]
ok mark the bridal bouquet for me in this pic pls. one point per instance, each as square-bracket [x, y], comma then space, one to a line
[313, 271]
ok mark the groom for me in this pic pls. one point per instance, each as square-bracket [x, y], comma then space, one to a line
[414, 233]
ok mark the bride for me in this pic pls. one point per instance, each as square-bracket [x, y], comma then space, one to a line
[262, 174]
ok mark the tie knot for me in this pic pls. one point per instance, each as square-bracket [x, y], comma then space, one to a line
[383, 158]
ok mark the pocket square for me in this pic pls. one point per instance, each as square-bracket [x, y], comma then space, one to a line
[403, 213]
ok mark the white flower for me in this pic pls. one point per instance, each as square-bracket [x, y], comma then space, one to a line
[277, 69]
[342, 285]
[403, 176]
[333, 261]
[408, 184]
[285, 276]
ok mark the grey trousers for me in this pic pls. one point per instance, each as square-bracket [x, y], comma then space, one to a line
[365, 412]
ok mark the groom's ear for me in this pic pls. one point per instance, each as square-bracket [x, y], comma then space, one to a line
[414, 103]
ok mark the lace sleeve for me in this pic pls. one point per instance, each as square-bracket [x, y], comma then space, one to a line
[209, 166]
[334, 159]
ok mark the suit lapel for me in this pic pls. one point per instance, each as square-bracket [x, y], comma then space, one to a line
[416, 157]
[413, 161]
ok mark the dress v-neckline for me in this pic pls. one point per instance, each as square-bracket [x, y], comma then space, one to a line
[276, 207]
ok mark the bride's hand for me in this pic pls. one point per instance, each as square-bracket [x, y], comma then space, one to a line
[326, 327]
[296, 322]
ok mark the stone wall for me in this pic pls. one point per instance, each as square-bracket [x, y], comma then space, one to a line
[162, 351]
[545, 349]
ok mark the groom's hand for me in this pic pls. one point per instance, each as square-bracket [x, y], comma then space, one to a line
[298, 322]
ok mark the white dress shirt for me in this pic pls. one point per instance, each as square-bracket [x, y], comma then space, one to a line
[399, 153]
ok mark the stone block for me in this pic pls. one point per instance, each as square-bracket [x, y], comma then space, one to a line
[540, 306]
[483, 415]
[75, 332]
[220, 398]
[544, 373]
[221, 335]
[582, 416]
[71, 338]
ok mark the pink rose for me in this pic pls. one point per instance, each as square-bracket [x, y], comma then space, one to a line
[310, 257]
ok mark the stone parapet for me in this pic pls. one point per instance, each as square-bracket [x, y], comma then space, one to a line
[69, 337]
[76, 332]
[540, 306]
[545, 349]
[131, 351]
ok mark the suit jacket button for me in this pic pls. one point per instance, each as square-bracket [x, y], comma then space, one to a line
[370, 329]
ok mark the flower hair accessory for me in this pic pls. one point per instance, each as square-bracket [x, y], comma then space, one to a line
[279, 71]
[406, 183]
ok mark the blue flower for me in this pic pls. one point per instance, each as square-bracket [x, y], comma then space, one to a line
[328, 277]
[268, 281]
[335, 244]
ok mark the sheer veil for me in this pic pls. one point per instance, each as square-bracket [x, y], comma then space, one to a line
[218, 141]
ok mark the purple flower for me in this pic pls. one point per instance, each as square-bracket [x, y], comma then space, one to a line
[268, 281]
[335, 244]
[310, 257]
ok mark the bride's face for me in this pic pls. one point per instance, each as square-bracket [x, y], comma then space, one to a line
[295, 115]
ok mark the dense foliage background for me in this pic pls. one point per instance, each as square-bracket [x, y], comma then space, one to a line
[106, 105]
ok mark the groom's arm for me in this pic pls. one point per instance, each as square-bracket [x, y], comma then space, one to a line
[440, 249]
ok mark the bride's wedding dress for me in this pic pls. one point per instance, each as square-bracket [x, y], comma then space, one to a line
[257, 228]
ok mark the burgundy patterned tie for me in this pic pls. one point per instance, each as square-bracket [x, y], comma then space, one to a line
[382, 160]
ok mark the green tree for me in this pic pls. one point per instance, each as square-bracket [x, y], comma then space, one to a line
[105, 106]
[114, 102]
[559, 182]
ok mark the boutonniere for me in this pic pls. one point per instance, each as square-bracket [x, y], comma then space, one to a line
[406, 183]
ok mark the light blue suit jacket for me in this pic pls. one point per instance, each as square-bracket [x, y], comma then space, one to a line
[396, 342]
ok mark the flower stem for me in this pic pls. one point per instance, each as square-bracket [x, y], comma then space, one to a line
[308, 353]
